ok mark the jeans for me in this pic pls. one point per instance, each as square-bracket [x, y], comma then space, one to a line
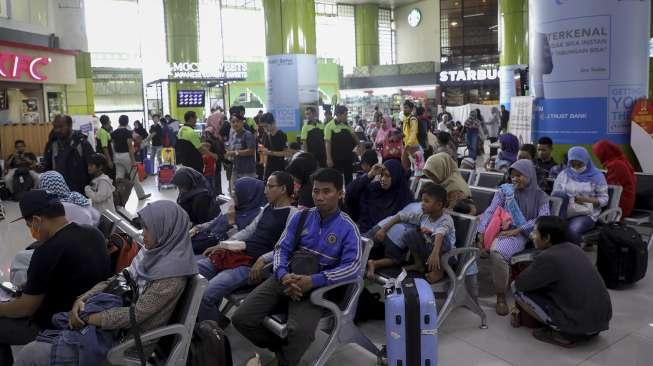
[124, 169]
[155, 153]
[221, 284]
[14, 332]
[578, 225]
[472, 143]
[269, 298]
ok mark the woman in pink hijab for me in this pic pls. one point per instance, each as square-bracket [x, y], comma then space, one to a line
[384, 131]
[214, 124]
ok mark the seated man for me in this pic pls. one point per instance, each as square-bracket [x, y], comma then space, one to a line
[69, 262]
[23, 162]
[330, 244]
[562, 288]
[224, 273]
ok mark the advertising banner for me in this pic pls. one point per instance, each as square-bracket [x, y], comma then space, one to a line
[641, 138]
[507, 88]
[521, 119]
[589, 63]
[291, 82]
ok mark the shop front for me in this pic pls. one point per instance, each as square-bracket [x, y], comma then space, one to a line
[469, 86]
[33, 85]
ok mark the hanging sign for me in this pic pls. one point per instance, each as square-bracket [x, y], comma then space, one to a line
[197, 70]
[457, 76]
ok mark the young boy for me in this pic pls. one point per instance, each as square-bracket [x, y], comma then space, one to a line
[209, 165]
[435, 235]
[100, 191]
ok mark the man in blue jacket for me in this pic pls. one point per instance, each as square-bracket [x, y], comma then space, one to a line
[327, 252]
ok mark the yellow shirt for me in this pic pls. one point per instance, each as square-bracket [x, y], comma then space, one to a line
[189, 134]
[409, 128]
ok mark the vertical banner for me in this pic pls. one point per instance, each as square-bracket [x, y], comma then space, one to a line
[521, 119]
[507, 87]
[589, 63]
[291, 81]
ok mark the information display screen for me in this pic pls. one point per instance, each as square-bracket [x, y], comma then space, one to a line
[190, 98]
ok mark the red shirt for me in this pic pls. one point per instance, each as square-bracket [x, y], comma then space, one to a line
[209, 165]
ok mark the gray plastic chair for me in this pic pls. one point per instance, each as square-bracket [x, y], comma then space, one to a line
[455, 283]
[643, 211]
[124, 226]
[555, 205]
[489, 179]
[180, 327]
[338, 324]
[468, 175]
[418, 187]
[482, 197]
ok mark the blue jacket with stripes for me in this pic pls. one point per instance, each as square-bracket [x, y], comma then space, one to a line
[335, 240]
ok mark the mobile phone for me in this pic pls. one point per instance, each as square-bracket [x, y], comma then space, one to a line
[10, 288]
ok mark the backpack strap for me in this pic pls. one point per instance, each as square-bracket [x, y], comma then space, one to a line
[300, 227]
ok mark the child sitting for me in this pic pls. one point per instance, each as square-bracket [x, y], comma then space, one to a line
[209, 165]
[435, 234]
[100, 191]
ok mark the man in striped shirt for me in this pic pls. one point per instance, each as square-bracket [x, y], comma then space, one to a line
[327, 251]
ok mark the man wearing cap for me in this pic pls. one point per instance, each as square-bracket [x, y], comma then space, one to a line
[70, 260]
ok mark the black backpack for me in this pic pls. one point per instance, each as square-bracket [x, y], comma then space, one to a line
[22, 183]
[622, 256]
[209, 346]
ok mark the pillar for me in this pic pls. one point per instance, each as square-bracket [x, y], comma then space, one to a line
[291, 62]
[79, 97]
[584, 85]
[181, 20]
[514, 45]
[367, 34]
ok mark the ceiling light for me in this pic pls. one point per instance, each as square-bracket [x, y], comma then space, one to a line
[473, 15]
[453, 24]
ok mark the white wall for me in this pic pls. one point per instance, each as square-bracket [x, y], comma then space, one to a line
[422, 43]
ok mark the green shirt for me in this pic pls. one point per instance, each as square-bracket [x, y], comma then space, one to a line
[104, 137]
[251, 123]
[188, 134]
[308, 127]
[333, 127]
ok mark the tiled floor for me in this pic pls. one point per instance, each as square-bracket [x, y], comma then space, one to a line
[629, 342]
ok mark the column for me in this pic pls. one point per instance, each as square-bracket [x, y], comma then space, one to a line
[367, 34]
[79, 97]
[181, 19]
[291, 63]
[514, 45]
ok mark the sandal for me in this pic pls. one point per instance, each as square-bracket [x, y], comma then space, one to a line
[502, 307]
[551, 336]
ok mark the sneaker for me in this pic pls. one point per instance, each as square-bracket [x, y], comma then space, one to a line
[549, 335]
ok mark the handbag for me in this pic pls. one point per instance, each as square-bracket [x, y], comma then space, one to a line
[578, 209]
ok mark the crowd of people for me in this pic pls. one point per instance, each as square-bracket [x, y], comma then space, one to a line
[296, 218]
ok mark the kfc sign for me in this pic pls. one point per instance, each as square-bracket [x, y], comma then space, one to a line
[15, 66]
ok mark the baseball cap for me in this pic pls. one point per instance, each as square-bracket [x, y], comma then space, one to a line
[34, 202]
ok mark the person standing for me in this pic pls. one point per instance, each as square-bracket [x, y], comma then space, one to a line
[140, 141]
[275, 144]
[189, 148]
[505, 117]
[156, 139]
[410, 125]
[103, 141]
[242, 147]
[213, 136]
[312, 136]
[123, 149]
[340, 143]
[472, 127]
[67, 152]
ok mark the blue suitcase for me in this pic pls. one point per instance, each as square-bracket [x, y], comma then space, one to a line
[149, 166]
[411, 324]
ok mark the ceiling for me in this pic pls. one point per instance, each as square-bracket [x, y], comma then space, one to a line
[384, 3]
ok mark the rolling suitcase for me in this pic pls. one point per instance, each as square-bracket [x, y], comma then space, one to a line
[411, 323]
[622, 255]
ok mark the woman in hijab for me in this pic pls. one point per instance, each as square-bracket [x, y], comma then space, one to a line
[509, 150]
[518, 205]
[383, 133]
[248, 198]
[442, 169]
[194, 195]
[78, 208]
[620, 173]
[472, 127]
[381, 193]
[161, 269]
[584, 191]
[301, 169]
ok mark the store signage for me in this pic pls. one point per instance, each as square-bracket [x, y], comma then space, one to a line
[15, 66]
[197, 70]
[455, 76]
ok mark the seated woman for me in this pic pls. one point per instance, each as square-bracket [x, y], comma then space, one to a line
[381, 193]
[248, 198]
[442, 169]
[508, 154]
[301, 169]
[161, 272]
[584, 191]
[194, 195]
[562, 288]
[620, 173]
[78, 208]
[521, 202]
